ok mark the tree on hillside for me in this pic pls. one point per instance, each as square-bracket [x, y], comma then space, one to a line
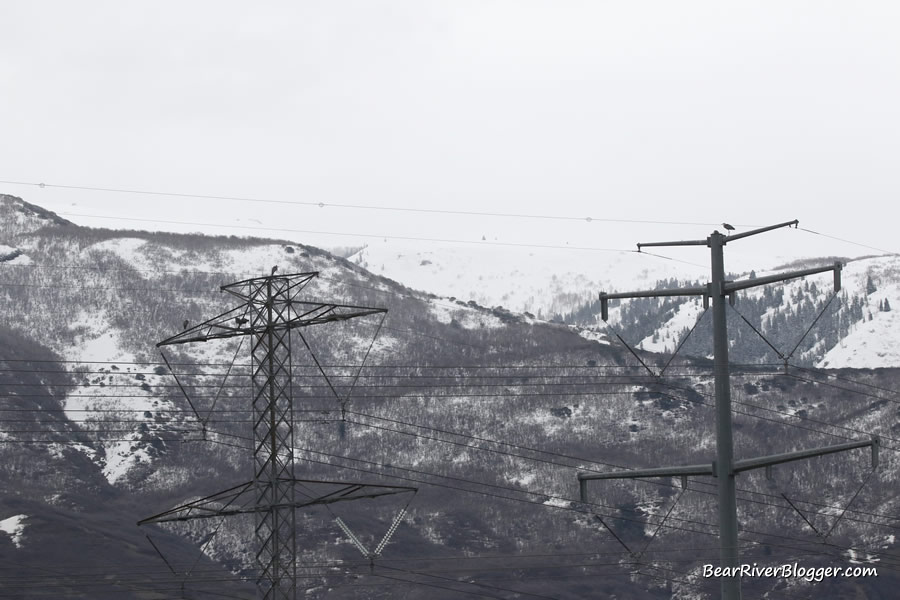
[870, 286]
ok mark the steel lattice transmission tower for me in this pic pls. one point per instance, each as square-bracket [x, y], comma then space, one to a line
[269, 313]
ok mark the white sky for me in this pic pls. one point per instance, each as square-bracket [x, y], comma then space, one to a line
[751, 113]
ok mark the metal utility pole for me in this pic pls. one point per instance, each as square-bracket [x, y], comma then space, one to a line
[724, 467]
[269, 313]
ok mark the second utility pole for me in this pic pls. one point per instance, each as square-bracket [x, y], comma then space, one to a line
[724, 468]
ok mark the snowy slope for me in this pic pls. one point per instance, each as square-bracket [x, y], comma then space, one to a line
[874, 343]
[540, 281]
[14, 527]
[665, 339]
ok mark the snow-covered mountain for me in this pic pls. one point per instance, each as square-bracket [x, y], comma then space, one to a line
[555, 283]
[541, 281]
[488, 412]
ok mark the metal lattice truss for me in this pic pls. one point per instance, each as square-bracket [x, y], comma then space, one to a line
[269, 312]
[281, 291]
[240, 499]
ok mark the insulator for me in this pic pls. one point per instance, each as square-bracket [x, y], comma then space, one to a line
[352, 537]
[390, 532]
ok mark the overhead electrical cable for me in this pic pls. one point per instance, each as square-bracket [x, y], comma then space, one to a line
[436, 211]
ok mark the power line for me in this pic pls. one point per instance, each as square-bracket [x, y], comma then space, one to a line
[888, 252]
[816, 543]
[433, 211]
[520, 491]
[359, 235]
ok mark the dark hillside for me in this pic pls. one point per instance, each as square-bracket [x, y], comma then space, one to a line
[489, 413]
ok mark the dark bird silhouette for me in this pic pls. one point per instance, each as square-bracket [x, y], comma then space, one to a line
[274, 269]
[240, 321]
[185, 324]
[727, 227]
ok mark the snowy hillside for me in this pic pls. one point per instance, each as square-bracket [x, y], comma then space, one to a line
[802, 320]
[542, 281]
[874, 342]
[489, 413]
[552, 282]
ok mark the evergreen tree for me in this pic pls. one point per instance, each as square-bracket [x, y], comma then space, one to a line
[870, 285]
[887, 306]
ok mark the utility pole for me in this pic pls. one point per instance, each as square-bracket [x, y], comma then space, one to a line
[724, 467]
[269, 313]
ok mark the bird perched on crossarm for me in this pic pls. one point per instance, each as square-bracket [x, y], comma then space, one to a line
[185, 324]
[727, 227]
[274, 270]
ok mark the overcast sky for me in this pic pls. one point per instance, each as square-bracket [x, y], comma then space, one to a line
[699, 112]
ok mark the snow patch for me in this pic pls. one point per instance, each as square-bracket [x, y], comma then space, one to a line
[558, 502]
[14, 527]
[873, 344]
[129, 250]
[592, 335]
[94, 341]
[857, 558]
[13, 256]
[523, 479]
[121, 457]
[669, 334]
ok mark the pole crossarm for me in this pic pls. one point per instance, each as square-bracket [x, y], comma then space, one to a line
[729, 238]
[733, 286]
[679, 243]
[760, 462]
[739, 466]
[737, 236]
[705, 469]
[229, 502]
[683, 471]
[686, 291]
